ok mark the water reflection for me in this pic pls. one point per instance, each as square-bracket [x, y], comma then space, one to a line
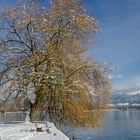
[118, 125]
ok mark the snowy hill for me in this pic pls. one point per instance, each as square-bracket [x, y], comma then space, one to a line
[131, 96]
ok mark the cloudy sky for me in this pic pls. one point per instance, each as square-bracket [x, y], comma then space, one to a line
[119, 41]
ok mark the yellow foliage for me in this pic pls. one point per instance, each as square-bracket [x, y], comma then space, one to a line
[49, 61]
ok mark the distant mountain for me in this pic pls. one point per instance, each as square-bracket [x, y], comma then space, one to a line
[131, 96]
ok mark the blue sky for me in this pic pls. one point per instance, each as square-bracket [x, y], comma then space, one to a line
[119, 40]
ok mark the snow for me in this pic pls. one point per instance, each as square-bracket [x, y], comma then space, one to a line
[134, 93]
[27, 131]
[123, 104]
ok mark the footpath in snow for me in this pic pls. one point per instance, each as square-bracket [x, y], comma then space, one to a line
[27, 131]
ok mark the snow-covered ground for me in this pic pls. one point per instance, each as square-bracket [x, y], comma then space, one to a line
[134, 93]
[27, 131]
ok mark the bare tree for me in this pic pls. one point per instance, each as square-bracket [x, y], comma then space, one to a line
[42, 60]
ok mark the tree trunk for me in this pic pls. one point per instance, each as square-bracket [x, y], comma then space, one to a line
[32, 112]
[33, 106]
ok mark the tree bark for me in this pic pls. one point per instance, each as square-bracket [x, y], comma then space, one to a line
[32, 112]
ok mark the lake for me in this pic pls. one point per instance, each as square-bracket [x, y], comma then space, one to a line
[118, 125]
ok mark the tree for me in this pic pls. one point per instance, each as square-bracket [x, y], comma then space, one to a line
[43, 60]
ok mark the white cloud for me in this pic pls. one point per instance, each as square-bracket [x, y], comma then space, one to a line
[114, 76]
[129, 83]
[110, 76]
[119, 76]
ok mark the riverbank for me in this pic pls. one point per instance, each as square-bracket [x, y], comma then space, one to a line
[27, 131]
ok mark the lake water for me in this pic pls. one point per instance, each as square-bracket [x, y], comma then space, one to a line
[118, 125]
[11, 117]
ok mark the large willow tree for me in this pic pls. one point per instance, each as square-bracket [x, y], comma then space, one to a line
[42, 59]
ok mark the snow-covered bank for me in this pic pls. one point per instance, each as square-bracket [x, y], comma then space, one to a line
[27, 131]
